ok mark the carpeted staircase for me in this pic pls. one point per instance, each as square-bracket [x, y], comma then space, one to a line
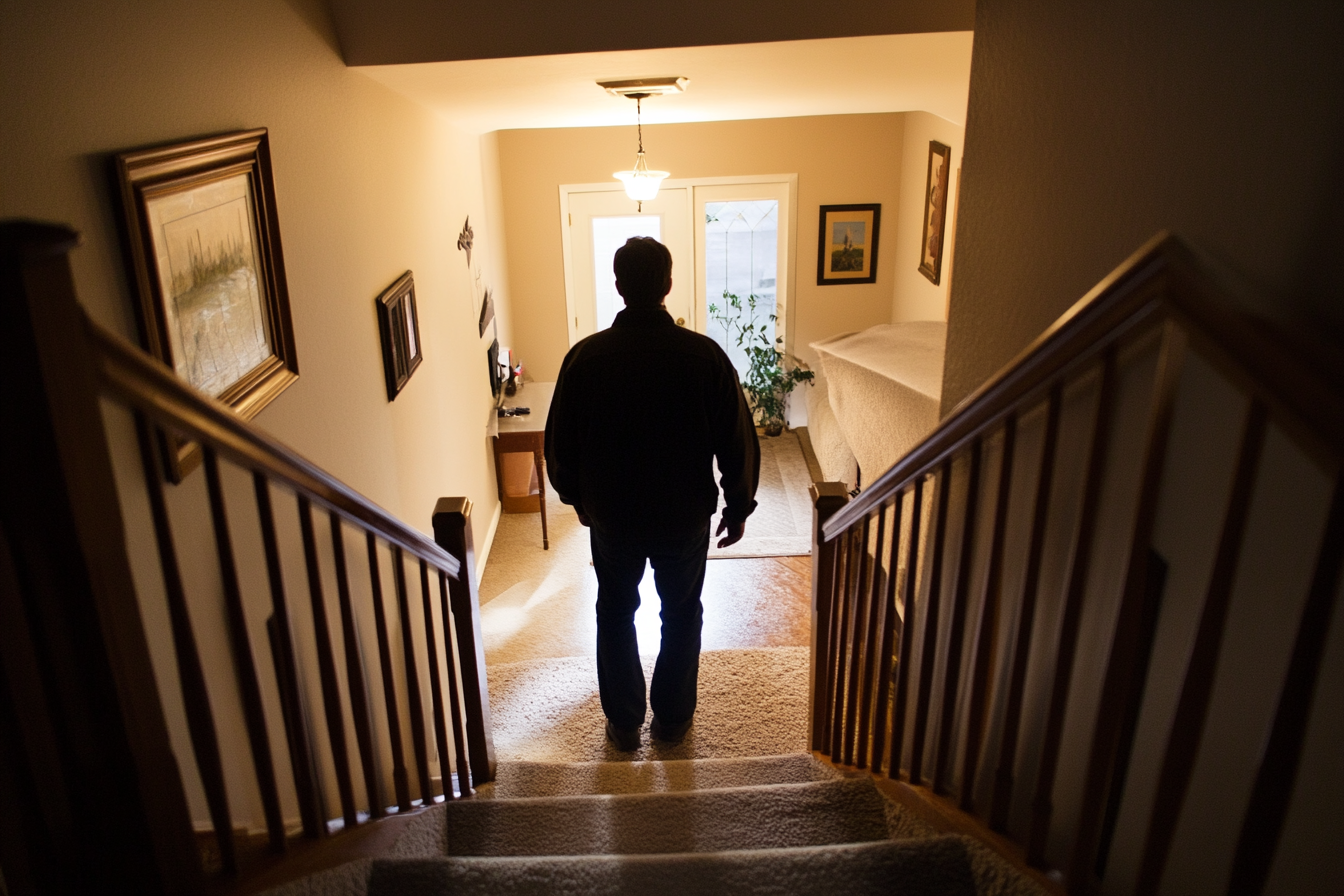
[738, 807]
[759, 825]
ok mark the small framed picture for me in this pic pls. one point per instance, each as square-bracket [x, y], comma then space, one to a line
[203, 251]
[935, 211]
[847, 244]
[399, 327]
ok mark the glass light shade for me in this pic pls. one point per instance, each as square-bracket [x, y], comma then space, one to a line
[640, 183]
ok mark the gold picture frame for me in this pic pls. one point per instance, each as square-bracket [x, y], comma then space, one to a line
[935, 211]
[202, 242]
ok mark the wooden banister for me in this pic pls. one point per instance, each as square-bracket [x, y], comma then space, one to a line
[94, 784]
[1048, 707]
[92, 797]
[452, 530]
[142, 383]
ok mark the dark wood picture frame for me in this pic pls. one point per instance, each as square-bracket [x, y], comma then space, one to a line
[935, 211]
[399, 329]
[202, 243]
[487, 312]
[847, 243]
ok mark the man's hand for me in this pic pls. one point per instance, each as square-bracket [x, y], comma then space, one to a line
[734, 531]
[583, 519]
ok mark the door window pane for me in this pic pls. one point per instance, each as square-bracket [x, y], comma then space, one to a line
[610, 234]
[741, 260]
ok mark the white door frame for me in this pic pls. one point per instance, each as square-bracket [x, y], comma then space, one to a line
[784, 293]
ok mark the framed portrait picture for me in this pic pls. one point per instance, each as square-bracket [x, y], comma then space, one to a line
[847, 244]
[203, 251]
[935, 211]
[399, 327]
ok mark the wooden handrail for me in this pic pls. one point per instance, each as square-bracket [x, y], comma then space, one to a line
[136, 379]
[1268, 360]
[110, 809]
[1040, 681]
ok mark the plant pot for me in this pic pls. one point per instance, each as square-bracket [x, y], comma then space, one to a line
[774, 427]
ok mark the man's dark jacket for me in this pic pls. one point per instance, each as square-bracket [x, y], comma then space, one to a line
[640, 411]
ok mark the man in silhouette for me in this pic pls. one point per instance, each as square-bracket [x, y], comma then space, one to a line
[640, 413]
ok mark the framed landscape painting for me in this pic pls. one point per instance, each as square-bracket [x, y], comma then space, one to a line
[935, 211]
[203, 249]
[847, 244]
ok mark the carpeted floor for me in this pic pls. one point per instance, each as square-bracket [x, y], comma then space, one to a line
[751, 703]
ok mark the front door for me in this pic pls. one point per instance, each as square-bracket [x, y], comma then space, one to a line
[598, 224]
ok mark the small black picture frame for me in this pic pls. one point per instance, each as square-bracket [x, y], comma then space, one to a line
[399, 327]
[847, 243]
[496, 375]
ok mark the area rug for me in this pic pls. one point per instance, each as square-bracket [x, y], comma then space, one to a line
[781, 526]
[751, 703]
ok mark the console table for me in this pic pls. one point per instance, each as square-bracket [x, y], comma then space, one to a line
[525, 435]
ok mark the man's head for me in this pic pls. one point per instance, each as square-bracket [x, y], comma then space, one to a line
[643, 271]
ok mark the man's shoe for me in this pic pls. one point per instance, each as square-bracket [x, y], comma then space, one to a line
[625, 739]
[669, 734]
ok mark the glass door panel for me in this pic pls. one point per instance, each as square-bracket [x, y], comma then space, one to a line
[741, 270]
[599, 223]
[610, 234]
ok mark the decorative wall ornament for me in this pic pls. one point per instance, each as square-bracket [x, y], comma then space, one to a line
[202, 243]
[399, 327]
[466, 238]
[847, 244]
[935, 211]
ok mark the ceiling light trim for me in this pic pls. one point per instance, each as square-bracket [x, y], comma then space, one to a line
[642, 87]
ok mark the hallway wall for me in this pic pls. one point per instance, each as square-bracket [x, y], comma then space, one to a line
[838, 159]
[368, 184]
[915, 296]
[1092, 127]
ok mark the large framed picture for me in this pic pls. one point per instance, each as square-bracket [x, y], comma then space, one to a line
[935, 211]
[399, 327]
[203, 249]
[847, 244]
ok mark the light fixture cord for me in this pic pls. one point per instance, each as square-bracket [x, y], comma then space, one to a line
[639, 127]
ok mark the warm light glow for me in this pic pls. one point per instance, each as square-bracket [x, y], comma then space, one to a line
[640, 183]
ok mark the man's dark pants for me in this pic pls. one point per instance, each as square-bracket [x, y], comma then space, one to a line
[679, 574]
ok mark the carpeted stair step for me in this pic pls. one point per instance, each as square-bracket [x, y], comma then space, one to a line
[540, 779]
[940, 866]
[780, 815]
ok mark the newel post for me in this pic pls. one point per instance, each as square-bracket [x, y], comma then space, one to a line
[89, 788]
[827, 499]
[452, 531]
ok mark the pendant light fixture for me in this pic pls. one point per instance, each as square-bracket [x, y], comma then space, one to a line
[641, 183]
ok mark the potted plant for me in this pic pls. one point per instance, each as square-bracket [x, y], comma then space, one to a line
[771, 372]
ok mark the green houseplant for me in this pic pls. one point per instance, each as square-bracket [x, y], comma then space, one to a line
[771, 372]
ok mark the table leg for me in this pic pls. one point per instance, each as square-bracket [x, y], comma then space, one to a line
[541, 484]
